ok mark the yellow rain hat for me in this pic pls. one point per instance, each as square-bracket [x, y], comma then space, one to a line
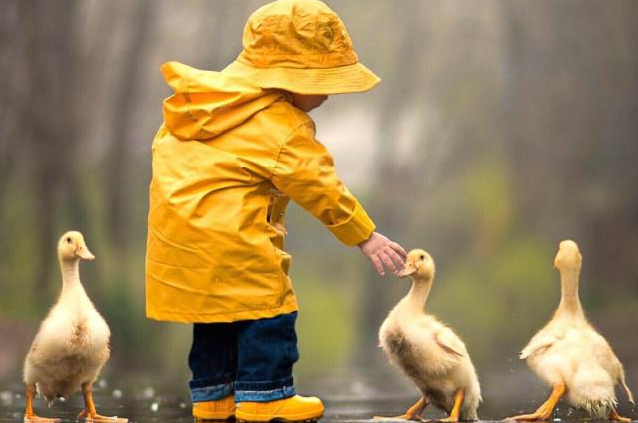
[303, 47]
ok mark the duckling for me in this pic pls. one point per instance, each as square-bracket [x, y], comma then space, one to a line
[571, 356]
[429, 352]
[72, 343]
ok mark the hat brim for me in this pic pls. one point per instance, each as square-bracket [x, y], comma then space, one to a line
[353, 78]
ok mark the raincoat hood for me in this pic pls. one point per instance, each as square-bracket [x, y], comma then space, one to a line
[208, 103]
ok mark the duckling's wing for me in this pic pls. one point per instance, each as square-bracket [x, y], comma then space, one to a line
[450, 342]
[541, 341]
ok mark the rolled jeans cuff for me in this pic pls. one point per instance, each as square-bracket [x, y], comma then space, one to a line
[206, 390]
[264, 391]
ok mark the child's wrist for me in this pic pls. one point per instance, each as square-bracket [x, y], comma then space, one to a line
[362, 243]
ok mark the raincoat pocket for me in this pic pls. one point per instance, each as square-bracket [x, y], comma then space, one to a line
[277, 204]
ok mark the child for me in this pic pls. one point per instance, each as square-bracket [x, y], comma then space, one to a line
[235, 146]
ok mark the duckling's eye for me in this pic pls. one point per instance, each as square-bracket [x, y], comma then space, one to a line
[68, 240]
[422, 257]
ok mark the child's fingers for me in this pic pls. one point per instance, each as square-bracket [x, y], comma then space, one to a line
[398, 260]
[388, 262]
[377, 264]
[399, 249]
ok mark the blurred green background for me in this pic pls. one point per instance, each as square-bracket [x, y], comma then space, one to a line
[500, 128]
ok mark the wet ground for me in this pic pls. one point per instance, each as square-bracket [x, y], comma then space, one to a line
[148, 405]
[162, 409]
[179, 411]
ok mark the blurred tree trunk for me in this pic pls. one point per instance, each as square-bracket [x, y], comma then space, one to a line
[10, 110]
[117, 162]
[53, 79]
[572, 124]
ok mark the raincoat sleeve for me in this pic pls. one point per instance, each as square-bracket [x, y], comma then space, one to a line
[305, 172]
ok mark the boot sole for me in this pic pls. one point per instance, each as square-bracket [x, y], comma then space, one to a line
[214, 418]
[279, 419]
[264, 419]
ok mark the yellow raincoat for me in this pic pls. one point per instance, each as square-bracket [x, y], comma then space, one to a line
[225, 163]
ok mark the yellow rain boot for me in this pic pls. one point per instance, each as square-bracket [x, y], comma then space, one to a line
[221, 409]
[293, 409]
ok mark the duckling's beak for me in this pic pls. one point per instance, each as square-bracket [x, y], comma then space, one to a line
[83, 252]
[408, 269]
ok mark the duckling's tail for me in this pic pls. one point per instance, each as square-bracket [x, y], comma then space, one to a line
[630, 397]
[599, 409]
[593, 390]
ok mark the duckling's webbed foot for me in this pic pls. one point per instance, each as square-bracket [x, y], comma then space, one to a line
[90, 414]
[528, 417]
[96, 418]
[614, 416]
[104, 419]
[37, 419]
[29, 415]
[450, 419]
[413, 413]
[459, 395]
[545, 410]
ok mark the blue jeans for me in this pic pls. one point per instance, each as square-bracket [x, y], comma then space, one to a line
[251, 358]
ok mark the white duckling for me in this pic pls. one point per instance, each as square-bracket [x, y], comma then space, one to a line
[429, 352]
[571, 356]
[72, 344]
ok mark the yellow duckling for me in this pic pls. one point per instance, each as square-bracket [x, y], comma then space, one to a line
[72, 344]
[429, 352]
[571, 356]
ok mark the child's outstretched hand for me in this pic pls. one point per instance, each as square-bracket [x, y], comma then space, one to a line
[383, 252]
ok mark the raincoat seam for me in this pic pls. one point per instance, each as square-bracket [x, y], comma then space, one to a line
[274, 168]
[283, 146]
